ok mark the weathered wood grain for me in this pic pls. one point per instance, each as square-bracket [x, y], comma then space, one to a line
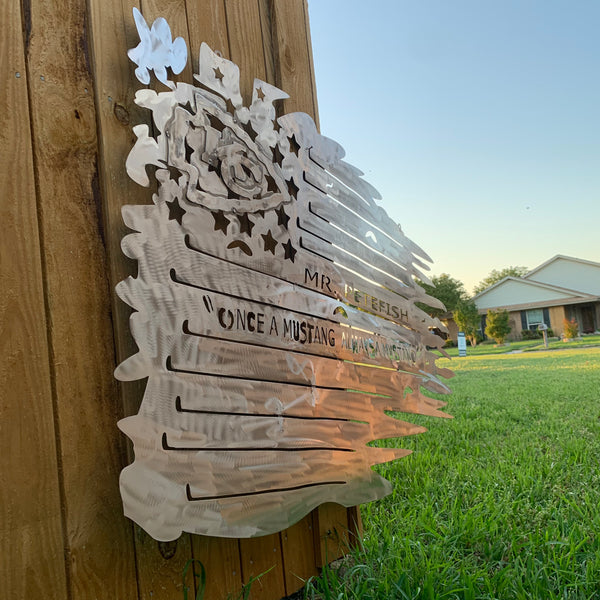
[263, 556]
[299, 556]
[246, 43]
[98, 539]
[82, 186]
[221, 559]
[315, 115]
[113, 33]
[331, 528]
[160, 565]
[293, 60]
[207, 22]
[30, 511]
[266, 23]
[355, 525]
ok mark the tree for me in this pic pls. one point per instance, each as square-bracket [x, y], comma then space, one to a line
[445, 288]
[468, 320]
[497, 326]
[496, 276]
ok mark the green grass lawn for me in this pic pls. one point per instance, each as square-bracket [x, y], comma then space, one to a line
[586, 340]
[501, 502]
[489, 347]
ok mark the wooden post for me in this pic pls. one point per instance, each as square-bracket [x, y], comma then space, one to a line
[69, 89]
[30, 490]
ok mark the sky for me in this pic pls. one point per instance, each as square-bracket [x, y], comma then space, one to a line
[478, 121]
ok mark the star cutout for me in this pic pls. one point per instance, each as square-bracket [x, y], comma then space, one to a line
[282, 217]
[230, 107]
[277, 156]
[214, 165]
[269, 242]
[293, 189]
[260, 93]
[294, 145]
[215, 122]
[221, 221]
[246, 224]
[218, 74]
[175, 211]
[174, 173]
[271, 184]
[290, 251]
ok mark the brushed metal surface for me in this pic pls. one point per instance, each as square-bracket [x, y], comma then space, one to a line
[275, 313]
[157, 50]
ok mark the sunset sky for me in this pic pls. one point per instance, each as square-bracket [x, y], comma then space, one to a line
[479, 122]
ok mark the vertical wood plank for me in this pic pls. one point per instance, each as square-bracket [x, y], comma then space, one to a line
[246, 49]
[293, 56]
[99, 544]
[266, 24]
[313, 80]
[299, 556]
[263, 555]
[112, 33]
[221, 559]
[355, 523]
[332, 529]
[30, 513]
[159, 567]
[207, 22]
[246, 43]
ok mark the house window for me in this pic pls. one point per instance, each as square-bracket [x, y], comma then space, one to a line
[535, 318]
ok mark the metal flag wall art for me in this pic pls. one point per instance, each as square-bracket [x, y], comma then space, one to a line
[274, 312]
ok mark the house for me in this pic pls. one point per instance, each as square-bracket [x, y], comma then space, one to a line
[562, 287]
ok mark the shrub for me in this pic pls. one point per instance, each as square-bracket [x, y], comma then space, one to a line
[467, 318]
[497, 325]
[571, 328]
[530, 334]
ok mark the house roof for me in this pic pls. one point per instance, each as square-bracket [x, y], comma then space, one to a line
[561, 280]
[568, 272]
[515, 293]
[560, 257]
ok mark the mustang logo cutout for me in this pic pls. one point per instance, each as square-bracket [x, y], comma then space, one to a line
[274, 312]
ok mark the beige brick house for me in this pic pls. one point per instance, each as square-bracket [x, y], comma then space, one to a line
[562, 287]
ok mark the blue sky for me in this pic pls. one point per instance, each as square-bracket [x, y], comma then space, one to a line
[478, 121]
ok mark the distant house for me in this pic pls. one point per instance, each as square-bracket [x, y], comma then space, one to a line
[562, 287]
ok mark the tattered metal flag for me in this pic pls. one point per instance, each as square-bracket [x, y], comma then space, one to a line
[274, 312]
